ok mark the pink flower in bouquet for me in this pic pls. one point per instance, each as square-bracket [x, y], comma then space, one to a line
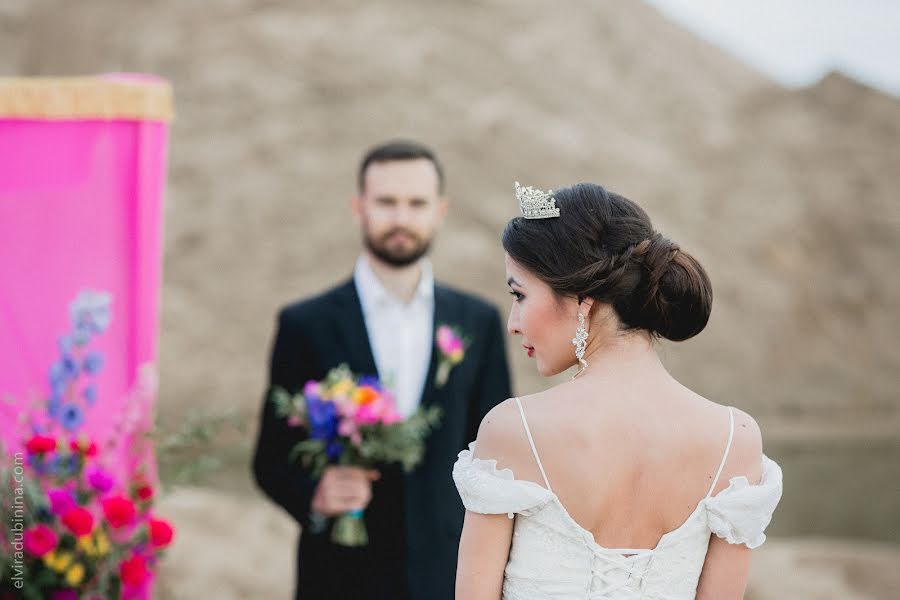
[78, 520]
[40, 540]
[61, 500]
[348, 428]
[119, 511]
[100, 480]
[40, 444]
[161, 533]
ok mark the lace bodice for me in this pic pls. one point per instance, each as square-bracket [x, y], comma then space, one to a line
[552, 557]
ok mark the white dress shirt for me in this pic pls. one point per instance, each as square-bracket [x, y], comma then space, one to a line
[401, 335]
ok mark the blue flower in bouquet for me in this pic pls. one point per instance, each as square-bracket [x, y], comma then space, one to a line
[370, 381]
[92, 364]
[323, 419]
[333, 450]
[71, 416]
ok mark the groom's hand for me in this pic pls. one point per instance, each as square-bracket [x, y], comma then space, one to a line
[342, 489]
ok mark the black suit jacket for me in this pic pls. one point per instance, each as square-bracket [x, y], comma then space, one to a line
[414, 520]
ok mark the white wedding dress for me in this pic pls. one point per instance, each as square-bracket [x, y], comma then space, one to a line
[552, 557]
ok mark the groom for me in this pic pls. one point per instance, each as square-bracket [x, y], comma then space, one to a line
[382, 321]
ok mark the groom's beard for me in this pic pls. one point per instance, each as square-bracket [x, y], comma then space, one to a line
[397, 257]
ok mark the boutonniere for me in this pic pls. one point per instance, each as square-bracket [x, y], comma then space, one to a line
[452, 347]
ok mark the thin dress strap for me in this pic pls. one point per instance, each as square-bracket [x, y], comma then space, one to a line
[531, 441]
[727, 449]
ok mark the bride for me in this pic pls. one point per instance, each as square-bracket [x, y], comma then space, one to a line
[622, 483]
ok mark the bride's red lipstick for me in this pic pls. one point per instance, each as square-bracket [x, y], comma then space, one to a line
[530, 350]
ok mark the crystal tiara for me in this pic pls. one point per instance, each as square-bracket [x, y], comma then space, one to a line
[536, 204]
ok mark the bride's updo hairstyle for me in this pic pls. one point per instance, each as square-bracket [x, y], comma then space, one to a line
[603, 246]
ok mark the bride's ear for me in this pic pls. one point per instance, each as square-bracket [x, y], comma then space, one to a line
[585, 306]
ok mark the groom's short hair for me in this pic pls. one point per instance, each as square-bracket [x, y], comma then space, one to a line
[399, 150]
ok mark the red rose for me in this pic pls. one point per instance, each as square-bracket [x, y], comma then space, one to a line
[134, 571]
[79, 521]
[144, 492]
[39, 540]
[119, 511]
[83, 446]
[39, 444]
[161, 533]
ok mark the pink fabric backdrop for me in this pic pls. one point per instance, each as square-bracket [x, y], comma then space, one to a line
[80, 209]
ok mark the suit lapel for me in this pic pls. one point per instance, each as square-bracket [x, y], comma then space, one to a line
[444, 313]
[351, 326]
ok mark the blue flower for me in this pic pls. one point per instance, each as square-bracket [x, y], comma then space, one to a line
[370, 381]
[71, 417]
[69, 367]
[65, 344]
[323, 419]
[90, 395]
[53, 406]
[92, 364]
[334, 449]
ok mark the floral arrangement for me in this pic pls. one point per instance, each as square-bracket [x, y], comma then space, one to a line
[354, 421]
[451, 345]
[75, 530]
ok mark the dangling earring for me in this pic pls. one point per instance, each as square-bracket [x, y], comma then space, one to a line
[580, 343]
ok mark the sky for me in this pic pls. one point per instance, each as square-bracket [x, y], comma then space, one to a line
[796, 42]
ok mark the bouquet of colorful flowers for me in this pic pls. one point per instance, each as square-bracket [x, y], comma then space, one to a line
[75, 529]
[353, 421]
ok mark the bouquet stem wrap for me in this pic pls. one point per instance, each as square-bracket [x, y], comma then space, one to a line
[350, 530]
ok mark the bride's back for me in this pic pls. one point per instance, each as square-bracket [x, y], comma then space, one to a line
[629, 458]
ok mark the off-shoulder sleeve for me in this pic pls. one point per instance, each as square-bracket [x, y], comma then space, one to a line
[741, 512]
[488, 490]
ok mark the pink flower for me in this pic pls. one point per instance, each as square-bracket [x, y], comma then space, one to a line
[100, 480]
[348, 428]
[161, 533]
[368, 414]
[40, 540]
[119, 511]
[445, 339]
[294, 421]
[391, 416]
[61, 500]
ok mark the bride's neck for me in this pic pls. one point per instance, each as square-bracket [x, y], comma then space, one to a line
[622, 355]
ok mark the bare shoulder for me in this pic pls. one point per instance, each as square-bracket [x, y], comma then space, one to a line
[745, 457]
[501, 436]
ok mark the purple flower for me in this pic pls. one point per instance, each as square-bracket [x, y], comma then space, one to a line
[67, 594]
[60, 501]
[71, 416]
[65, 344]
[92, 364]
[100, 480]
